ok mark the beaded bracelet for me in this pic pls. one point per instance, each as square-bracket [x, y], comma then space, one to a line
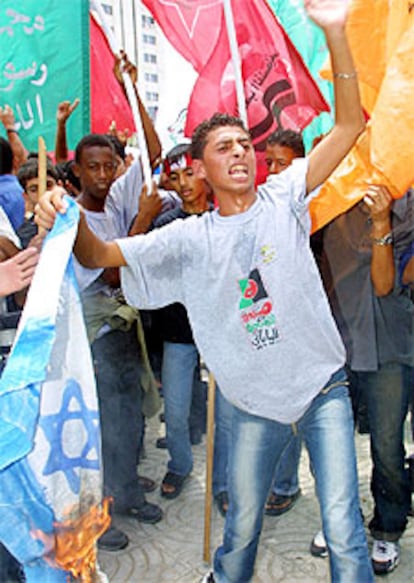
[352, 75]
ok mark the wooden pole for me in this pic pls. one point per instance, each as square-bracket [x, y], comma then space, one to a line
[209, 466]
[235, 58]
[132, 98]
[42, 167]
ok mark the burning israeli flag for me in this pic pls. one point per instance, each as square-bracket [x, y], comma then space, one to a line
[50, 460]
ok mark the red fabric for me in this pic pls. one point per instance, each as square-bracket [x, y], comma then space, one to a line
[279, 90]
[191, 26]
[108, 101]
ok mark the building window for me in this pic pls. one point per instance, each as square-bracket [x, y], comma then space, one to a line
[151, 77]
[152, 112]
[151, 96]
[147, 21]
[107, 8]
[150, 58]
[149, 39]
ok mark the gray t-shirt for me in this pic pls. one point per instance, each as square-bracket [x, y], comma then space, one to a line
[253, 294]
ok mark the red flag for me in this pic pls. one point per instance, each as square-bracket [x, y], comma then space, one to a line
[279, 90]
[191, 26]
[108, 101]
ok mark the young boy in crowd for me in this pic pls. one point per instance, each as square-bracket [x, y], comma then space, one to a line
[180, 363]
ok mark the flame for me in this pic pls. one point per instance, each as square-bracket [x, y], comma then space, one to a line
[73, 542]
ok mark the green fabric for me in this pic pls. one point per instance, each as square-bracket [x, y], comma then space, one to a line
[44, 59]
[99, 310]
[309, 40]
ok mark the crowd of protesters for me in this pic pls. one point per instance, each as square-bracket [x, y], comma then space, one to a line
[350, 286]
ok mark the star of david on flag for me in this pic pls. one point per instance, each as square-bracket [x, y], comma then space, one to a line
[50, 461]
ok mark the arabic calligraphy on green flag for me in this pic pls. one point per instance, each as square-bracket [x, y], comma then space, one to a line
[44, 59]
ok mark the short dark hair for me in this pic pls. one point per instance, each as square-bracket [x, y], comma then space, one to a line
[90, 141]
[118, 145]
[200, 135]
[175, 153]
[30, 169]
[6, 157]
[288, 139]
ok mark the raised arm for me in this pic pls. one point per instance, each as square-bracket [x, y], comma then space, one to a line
[379, 203]
[153, 142]
[89, 250]
[9, 122]
[150, 206]
[64, 111]
[331, 16]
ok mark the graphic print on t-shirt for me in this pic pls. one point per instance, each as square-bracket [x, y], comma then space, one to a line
[256, 311]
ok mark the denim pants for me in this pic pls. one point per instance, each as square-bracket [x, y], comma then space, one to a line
[222, 438]
[256, 446]
[178, 365]
[116, 357]
[286, 479]
[387, 393]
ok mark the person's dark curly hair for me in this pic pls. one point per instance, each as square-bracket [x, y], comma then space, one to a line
[288, 139]
[200, 135]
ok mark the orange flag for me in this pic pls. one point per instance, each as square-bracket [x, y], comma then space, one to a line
[381, 35]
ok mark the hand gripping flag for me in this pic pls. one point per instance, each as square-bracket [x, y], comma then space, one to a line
[50, 475]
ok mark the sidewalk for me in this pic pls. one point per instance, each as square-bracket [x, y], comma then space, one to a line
[171, 551]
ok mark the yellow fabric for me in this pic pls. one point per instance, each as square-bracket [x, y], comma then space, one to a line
[381, 35]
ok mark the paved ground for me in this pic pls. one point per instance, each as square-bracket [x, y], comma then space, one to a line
[171, 551]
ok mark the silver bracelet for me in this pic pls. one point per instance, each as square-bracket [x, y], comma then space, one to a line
[352, 75]
[382, 241]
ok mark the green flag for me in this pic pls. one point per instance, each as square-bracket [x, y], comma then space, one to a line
[44, 59]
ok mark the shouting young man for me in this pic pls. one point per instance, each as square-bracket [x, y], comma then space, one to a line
[267, 332]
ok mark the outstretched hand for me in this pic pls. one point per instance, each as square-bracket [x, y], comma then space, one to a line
[7, 117]
[327, 13]
[16, 273]
[65, 110]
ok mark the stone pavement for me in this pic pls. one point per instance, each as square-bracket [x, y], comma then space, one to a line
[171, 551]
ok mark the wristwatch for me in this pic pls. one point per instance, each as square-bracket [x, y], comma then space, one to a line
[385, 240]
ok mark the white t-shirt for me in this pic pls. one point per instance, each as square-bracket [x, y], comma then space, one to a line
[253, 294]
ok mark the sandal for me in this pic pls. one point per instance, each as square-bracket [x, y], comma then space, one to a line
[175, 484]
[222, 501]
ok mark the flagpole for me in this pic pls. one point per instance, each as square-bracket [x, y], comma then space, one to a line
[235, 58]
[132, 98]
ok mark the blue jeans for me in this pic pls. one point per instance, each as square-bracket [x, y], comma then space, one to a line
[116, 358]
[286, 479]
[178, 366]
[387, 393]
[222, 440]
[256, 447]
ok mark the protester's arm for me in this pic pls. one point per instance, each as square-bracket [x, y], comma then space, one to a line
[89, 250]
[150, 206]
[379, 203]
[9, 122]
[153, 142]
[331, 16]
[64, 111]
[16, 273]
